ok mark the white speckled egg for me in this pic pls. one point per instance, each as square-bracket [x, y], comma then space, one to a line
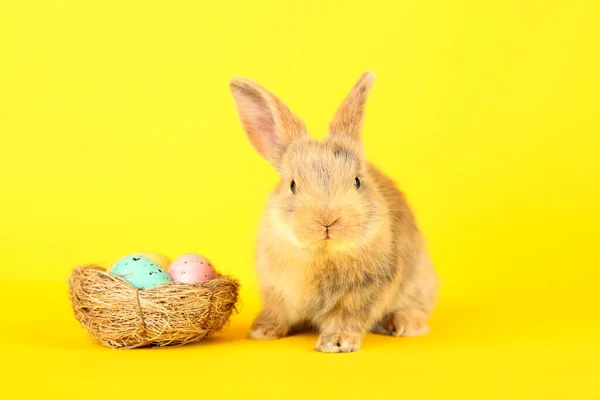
[191, 268]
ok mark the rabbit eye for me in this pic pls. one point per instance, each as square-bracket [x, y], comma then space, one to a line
[293, 187]
[356, 182]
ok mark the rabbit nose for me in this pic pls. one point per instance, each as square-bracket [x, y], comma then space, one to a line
[327, 223]
[326, 216]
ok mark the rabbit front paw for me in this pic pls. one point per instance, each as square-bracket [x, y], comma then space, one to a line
[338, 342]
[268, 329]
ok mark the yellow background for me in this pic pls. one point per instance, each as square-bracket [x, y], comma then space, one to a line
[118, 134]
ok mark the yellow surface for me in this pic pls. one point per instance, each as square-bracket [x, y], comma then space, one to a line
[118, 134]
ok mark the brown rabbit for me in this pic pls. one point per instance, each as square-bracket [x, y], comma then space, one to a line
[339, 249]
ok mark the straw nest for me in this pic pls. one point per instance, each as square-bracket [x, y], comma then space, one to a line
[121, 316]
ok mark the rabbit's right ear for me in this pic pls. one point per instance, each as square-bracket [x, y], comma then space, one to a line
[348, 119]
[269, 124]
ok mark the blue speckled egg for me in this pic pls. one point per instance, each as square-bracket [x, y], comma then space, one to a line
[140, 272]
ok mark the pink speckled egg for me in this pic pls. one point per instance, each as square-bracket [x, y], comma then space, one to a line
[191, 268]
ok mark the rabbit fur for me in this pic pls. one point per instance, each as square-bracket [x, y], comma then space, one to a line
[339, 249]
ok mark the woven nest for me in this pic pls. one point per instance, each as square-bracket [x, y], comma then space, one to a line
[121, 316]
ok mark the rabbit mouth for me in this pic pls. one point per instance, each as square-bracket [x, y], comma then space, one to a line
[327, 226]
[327, 236]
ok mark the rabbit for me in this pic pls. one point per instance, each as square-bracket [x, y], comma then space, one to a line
[339, 249]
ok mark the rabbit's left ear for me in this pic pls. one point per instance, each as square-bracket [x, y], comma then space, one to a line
[348, 120]
[268, 123]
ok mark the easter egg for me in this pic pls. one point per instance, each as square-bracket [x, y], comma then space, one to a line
[140, 272]
[157, 258]
[191, 268]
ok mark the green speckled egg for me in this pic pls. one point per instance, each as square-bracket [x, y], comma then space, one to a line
[140, 272]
